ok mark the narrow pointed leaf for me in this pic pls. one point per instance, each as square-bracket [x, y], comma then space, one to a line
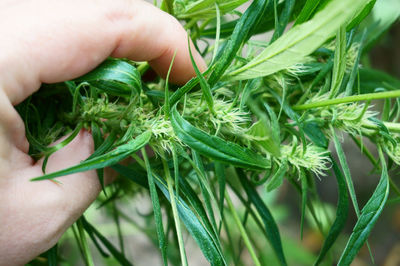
[369, 215]
[205, 87]
[341, 213]
[113, 250]
[277, 179]
[162, 243]
[200, 234]
[283, 19]
[307, 11]
[242, 31]
[115, 77]
[215, 147]
[108, 159]
[271, 228]
[194, 218]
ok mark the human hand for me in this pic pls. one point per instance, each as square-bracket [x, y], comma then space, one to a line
[46, 41]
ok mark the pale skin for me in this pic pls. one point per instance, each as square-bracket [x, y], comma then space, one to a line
[47, 41]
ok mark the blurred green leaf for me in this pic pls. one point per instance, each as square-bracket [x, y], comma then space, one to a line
[271, 228]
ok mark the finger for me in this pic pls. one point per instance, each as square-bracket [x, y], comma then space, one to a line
[66, 39]
[79, 190]
[44, 210]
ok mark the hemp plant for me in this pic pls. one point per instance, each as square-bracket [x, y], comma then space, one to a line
[263, 112]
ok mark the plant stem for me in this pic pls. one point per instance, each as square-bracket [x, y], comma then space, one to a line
[85, 246]
[391, 126]
[175, 213]
[242, 230]
[349, 99]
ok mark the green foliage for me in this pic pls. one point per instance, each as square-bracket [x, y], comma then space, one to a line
[208, 154]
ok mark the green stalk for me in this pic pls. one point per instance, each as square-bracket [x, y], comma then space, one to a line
[242, 230]
[391, 126]
[175, 213]
[166, 90]
[349, 99]
[85, 246]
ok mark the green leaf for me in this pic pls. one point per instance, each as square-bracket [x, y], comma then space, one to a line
[283, 19]
[361, 16]
[304, 196]
[156, 208]
[339, 62]
[205, 87]
[265, 24]
[241, 33]
[308, 10]
[108, 159]
[312, 129]
[203, 9]
[346, 170]
[300, 41]
[370, 79]
[266, 131]
[200, 234]
[383, 15]
[271, 228]
[243, 234]
[277, 179]
[347, 174]
[220, 174]
[341, 213]
[369, 215]
[172, 194]
[197, 223]
[205, 188]
[83, 243]
[52, 256]
[167, 106]
[117, 255]
[215, 147]
[115, 77]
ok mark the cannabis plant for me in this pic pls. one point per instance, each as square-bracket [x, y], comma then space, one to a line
[264, 111]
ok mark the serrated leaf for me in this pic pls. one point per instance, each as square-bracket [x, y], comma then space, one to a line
[215, 147]
[115, 77]
[300, 41]
[241, 33]
[369, 215]
[105, 160]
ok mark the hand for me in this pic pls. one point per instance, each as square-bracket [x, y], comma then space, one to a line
[52, 41]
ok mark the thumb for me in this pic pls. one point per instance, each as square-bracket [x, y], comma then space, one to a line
[79, 189]
[40, 212]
